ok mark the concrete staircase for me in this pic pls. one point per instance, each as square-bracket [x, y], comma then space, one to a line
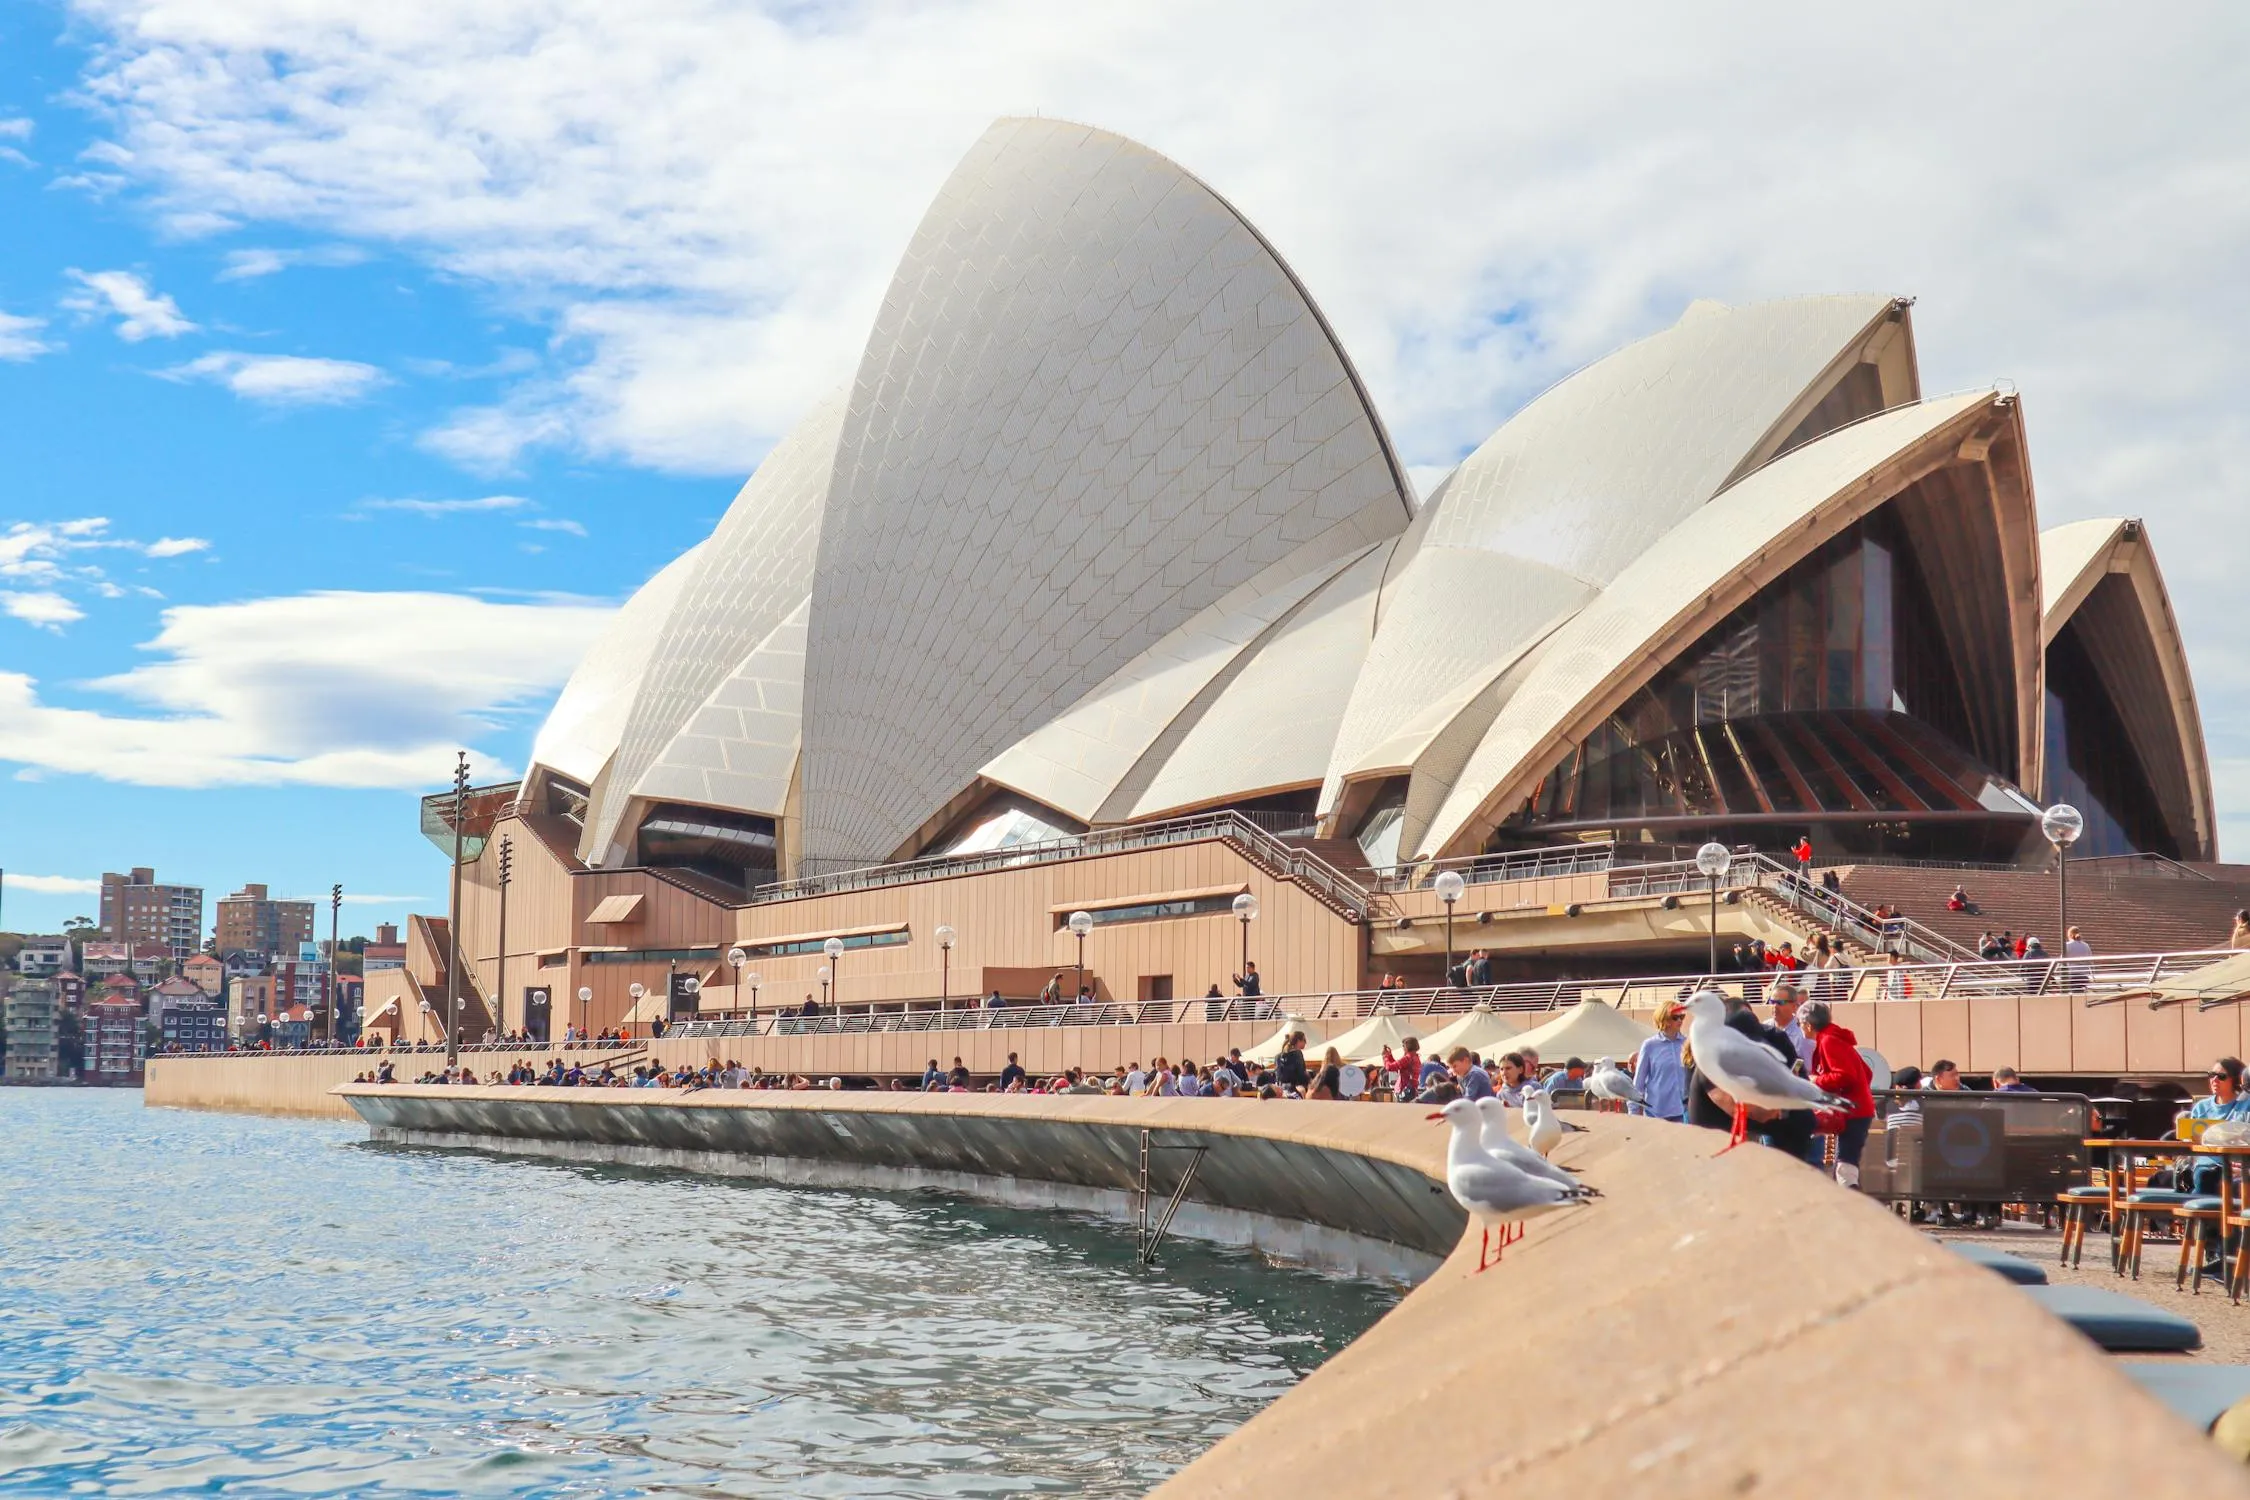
[1807, 927]
[2129, 910]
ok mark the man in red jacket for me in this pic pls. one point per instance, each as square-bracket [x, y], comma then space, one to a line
[1838, 1068]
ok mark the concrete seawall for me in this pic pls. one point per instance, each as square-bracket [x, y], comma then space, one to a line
[1723, 1326]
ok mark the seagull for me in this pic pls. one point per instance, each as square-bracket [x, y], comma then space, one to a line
[1541, 1128]
[1498, 1142]
[1492, 1190]
[1609, 1081]
[1750, 1072]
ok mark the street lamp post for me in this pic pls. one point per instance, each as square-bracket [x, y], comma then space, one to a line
[452, 1018]
[500, 977]
[585, 999]
[1713, 861]
[636, 990]
[736, 958]
[834, 948]
[823, 976]
[1081, 923]
[335, 954]
[1246, 912]
[2062, 824]
[1449, 886]
[945, 936]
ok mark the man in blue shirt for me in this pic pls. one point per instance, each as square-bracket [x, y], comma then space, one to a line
[1658, 1070]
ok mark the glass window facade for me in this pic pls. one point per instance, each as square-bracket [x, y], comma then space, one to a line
[2091, 761]
[1800, 706]
[737, 849]
[1153, 911]
[801, 946]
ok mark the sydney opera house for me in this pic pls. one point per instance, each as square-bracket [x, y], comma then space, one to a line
[1102, 589]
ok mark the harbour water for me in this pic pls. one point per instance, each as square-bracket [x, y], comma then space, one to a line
[208, 1303]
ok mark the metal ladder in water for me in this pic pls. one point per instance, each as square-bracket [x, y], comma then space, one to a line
[1149, 1234]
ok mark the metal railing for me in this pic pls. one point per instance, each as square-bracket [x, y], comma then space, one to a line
[1262, 848]
[1833, 909]
[2103, 979]
[1492, 869]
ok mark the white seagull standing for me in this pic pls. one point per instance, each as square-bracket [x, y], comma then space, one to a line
[1750, 1072]
[1541, 1128]
[1498, 1143]
[1494, 1191]
[1609, 1081]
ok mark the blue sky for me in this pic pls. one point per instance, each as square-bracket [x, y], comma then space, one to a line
[354, 361]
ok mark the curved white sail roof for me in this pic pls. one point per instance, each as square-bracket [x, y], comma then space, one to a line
[753, 573]
[1583, 480]
[582, 728]
[1094, 404]
[1704, 567]
[2074, 560]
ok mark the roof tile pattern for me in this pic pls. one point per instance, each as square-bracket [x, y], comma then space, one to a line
[583, 727]
[1093, 404]
[755, 570]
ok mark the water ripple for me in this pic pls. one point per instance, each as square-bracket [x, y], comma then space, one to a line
[215, 1303]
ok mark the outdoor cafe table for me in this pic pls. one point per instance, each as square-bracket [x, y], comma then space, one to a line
[2230, 1159]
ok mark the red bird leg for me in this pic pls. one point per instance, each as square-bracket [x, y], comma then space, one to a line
[1484, 1247]
[1739, 1133]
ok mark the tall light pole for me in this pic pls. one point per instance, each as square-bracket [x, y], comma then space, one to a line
[823, 976]
[335, 952]
[945, 937]
[636, 990]
[1081, 923]
[1449, 886]
[585, 999]
[1246, 912]
[2062, 824]
[1713, 861]
[834, 948]
[451, 1020]
[500, 976]
[736, 958]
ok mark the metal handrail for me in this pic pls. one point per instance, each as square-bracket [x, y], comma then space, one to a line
[1492, 869]
[2101, 979]
[1831, 908]
[1280, 858]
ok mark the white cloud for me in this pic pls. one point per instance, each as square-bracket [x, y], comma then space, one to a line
[19, 337]
[15, 128]
[47, 554]
[53, 885]
[249, 264]
[324, 689]
[141, 312]
[435, 508]
[282, 379]
[43, 608]
[176, 546]
[573, 528]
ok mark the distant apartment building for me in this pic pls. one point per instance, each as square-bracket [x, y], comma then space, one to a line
[114, 1043]
[250, 921]
[44, 957]
[197, 1024]
[249, 999]
[145, 960]
[135, 908]
[29, 1015]
[70, 992]
[386, 952]
[206, 974]
[163, 998]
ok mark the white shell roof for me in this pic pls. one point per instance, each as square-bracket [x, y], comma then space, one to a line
[2073, 558]
[1076, 761]
[582, 728]
[753, 573]
[1270, 725]
[1573, 488]
[1747, 535]
[1093, 405]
